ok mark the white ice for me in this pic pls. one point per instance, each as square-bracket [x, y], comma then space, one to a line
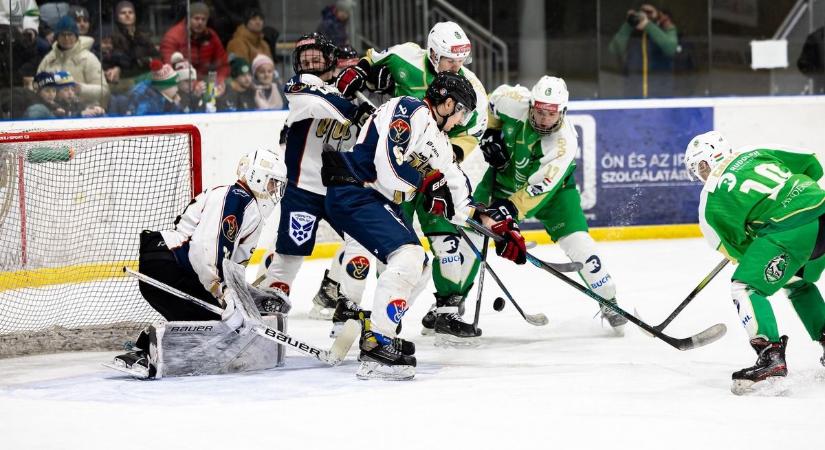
[569, 385]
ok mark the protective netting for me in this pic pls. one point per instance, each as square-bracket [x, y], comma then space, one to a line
[70, 214]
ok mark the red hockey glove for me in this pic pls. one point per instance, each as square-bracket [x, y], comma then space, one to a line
[512, 246]
[437, 198]
[351, 80]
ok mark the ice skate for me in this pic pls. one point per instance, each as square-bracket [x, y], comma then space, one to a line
[822, 341]
[325, 301]
[134, 363]
[616, 320]
[345, 310]
[428, 321]
[382, 358]
[770, 365]
[450, 329]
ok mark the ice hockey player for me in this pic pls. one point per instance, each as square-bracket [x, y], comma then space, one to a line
[531, 148]
[403, 152]
[221, 224]
[762, 208]
[407, 69]
[318, 116]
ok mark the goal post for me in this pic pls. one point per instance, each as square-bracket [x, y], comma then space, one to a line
[72, 205]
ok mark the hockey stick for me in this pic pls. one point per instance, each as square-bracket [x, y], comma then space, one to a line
[533, 319]
[325, 356]
[705, 337]
[693, 294]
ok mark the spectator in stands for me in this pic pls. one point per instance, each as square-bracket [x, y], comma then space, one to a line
[207, 51]
[133, 44]
[240, 95]
[228, 14]
[157, 95]
[68, 100]
[811, 61]
[19, 20]
[190, 90]
[82, 19]
[334, 20]
[268, 92]
[248, 41]
[45, 107]
[646, 44]
[71, 53]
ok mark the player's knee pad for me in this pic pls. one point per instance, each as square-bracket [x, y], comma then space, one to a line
[406, 265]
[580, 247]
[741, 295]
[447, 254]
[335, 267]
[356, 263]
[281, 271]
[395, 286]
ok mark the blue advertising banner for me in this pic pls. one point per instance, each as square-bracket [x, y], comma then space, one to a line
[631, 165]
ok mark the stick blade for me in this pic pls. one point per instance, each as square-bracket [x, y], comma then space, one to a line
[712, 334]
[538, 320]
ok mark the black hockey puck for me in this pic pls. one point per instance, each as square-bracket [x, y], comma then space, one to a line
[498, 304]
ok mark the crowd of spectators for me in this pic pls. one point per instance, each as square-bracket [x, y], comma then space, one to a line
[83, 58]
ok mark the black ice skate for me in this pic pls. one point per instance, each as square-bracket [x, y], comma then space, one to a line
[822, 341]
[382, 358]
[134, 363]
[616, 320]
[428, 321]
[450, 329]
[770, 365]
[324, 302]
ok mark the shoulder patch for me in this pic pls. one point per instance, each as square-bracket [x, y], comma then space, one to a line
[230, 227]
[399, 131]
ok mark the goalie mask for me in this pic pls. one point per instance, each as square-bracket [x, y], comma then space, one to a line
[711, 148]
[548, 97]
[264, 172]
[448, 40]
[311, 47]
[452, 85]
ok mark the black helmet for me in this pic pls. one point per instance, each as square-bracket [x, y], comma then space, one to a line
[450, 84]
[347, 56]
[319, 42]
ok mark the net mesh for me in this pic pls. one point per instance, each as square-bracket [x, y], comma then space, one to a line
[70, 214]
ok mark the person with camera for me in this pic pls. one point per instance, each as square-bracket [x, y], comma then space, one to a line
[646, 44]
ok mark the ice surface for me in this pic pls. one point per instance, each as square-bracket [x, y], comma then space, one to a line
[569, 385]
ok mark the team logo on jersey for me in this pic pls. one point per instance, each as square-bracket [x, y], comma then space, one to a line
[300, 226]
[280, 286]
[594, 264]
[396, 309]
[358, 267]
[229, 227]
[775, 269]
[400, 131]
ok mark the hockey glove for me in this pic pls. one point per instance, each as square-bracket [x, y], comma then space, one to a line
[512, 246]
[495, 153]
[502, 209]
[380, 80]
[351, 80]
[363, 112]
[437, 198]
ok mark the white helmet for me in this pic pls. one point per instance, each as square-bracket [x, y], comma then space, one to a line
[448, 40]
[264, 172]
[710, 147]
[549, 93]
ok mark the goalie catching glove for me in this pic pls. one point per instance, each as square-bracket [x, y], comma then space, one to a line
[437, 198]
[512, 246]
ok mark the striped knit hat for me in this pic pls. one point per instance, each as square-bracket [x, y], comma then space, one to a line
[163, 76]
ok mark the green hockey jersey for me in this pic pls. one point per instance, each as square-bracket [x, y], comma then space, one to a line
[757, 192]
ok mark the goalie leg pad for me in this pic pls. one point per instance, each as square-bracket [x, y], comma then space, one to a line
[395, 286]
[580, 247]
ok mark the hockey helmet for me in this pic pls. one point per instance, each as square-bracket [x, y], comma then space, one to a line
[452, 85]
[264, 172]
[448, 40]
[315, 41]
[710, 147]
[548, 94]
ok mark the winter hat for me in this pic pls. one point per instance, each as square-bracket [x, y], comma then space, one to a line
[345, 5]
[77, 11]
[124, 4]
[63, 79]
[253, 12]
[260, 61]
[163, 76]
[184, 70]
[44, 79]
[66, 25]
[198, 8]
[239, 66]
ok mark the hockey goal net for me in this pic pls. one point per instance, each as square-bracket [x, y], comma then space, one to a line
[72, 203]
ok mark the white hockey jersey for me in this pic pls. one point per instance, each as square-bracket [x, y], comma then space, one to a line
[398, 146]
[221, 222]
[317, 114]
